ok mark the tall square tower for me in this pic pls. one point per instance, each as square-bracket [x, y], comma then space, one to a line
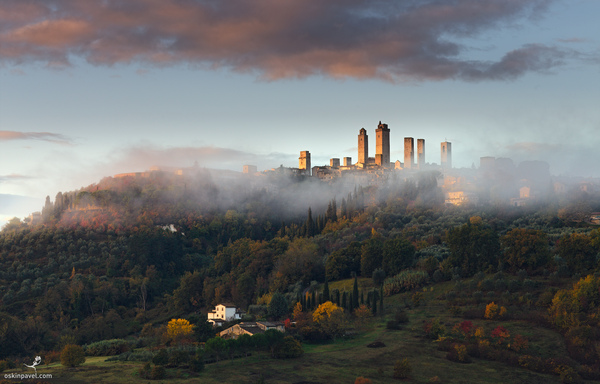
[409, 152]
[363, 146]
[304, 162]
[420, 153]
[446, 155]
[382, 140]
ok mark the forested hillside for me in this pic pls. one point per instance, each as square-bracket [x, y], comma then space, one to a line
[123, 256]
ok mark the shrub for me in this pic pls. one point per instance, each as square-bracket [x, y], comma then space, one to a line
[161, 358]
[158, 372]
[362, 380]
[433, 329]
[417, 299]
[197, 363]
[144, 372]
[402, 369]
[178, 358]
[401, 317]
[404, 281]
[393, 325]
[107, 348]
[288, 348]
[458, 353]
[51, 357]
[500, 334]
[72, 355]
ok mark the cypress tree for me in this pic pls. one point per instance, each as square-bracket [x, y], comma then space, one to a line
[344, 300]
[326, 292]
[362, 297]
[374, 309]
[334, 211]
[310, 224]
[381, 300]
[337, 297]
[350, 303]
[355, 293]
[343, 212]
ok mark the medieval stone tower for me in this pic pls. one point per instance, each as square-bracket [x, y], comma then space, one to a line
[382, 149]
[421, 153]
[446, 154]
[363, 146]
[304, 162]
[409, 152]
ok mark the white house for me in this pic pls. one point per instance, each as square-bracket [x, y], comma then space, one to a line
[223, 313]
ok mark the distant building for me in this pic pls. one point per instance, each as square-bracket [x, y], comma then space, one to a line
[363, 146]
[446, 155]
[409, 152]
[347, 161]
[304, 162]
[421, 153]
[382, 140]
[251, 328]
[224, 313]
[334, 162]
[250, 169]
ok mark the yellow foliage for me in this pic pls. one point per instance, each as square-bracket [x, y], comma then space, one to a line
[297, 311]
[502, 312]
[325, 310]
[491, 311]
[475, 220]
[178, 328]
[264, 299]
[480, 333]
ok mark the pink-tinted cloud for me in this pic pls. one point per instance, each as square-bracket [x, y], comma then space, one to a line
[44, 136]
[393, 40]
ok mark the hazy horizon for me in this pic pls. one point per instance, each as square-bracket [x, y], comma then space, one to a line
[94, 89]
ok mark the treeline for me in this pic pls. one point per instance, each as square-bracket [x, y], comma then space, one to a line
[90, 279]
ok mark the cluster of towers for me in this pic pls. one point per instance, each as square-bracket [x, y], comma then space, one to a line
[382, 149]
[382, 153]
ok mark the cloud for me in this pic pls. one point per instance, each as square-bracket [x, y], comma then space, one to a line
[13, 176]
[142, 157]
[43, 136]
[409, 40]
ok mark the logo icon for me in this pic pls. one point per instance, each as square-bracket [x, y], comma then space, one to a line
[36, 362]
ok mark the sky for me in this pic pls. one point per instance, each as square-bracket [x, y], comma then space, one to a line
[92, 88]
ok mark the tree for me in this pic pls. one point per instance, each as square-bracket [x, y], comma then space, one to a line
[577, 250]
[178, 329]
[278, 306]
[474, 247]
[355, 294]
[72, 355]
[341, 263]
[524, 249]
[371, 255]
[398, 254]
[326, 291]
[288, 348]
[329, 318]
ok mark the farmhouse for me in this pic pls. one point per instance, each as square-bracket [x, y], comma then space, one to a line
[224, 313]
[251, 328]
